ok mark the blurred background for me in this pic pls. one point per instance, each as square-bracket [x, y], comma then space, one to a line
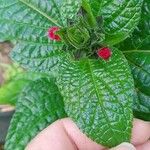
[13, 80]
[6, 68]
[5, 48]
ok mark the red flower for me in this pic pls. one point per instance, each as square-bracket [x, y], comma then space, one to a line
[105, 53]
[52, 35]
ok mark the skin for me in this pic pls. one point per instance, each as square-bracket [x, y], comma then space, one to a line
[65, 135]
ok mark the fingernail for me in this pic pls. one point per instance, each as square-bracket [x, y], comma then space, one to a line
[124, 146]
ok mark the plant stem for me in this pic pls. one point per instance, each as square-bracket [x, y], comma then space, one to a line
[87, 8]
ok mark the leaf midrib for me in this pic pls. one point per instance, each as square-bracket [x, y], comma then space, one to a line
[40, 12]
[137, 51]
[22, 23]
[98, 96]
[120, 84]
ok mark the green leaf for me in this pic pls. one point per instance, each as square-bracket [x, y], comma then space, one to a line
[98, 96]
[43, 58]
[139, 61]
[38, 106]
[69, 9]
[89, 17]
[120, 19]
[96, 6]
[28, 21]
[30, 18]
[140, 39]
[11, 90]
[140, 115]
[142, 106]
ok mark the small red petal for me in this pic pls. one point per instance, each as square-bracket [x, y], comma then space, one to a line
[57, 38]
[105, 53]
[52, 35]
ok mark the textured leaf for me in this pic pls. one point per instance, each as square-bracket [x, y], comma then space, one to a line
[96, 6]
[11, 90]
[140, 39]
[28, 21]
[139, 61]
[69, 9]
[142, 106]
[120, 18]
[98, 97]
[31, 18]
[39, 105]
[41, 58]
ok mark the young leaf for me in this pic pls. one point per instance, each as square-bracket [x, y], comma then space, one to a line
[38, 106]
[98, 96]
[11, 90]
[139, 61]
[140, 39]
[28, 23]
[120, 19]
[96, 6]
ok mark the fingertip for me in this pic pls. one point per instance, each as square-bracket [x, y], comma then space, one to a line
[124, 146]
[80, 139]
[140, 132]
[145, 146]
[52, 137]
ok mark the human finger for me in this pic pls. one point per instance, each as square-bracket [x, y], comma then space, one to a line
[140, 132]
